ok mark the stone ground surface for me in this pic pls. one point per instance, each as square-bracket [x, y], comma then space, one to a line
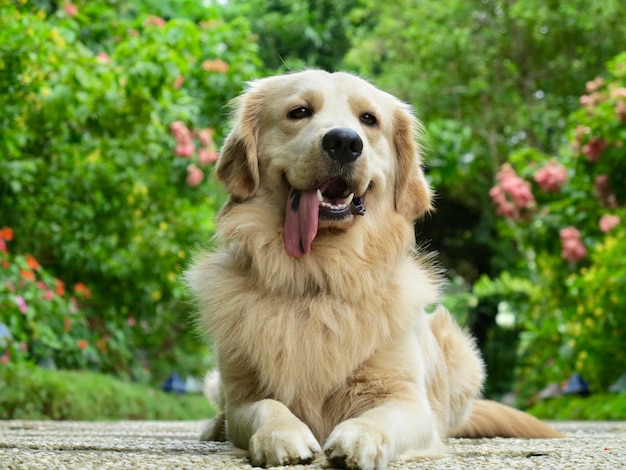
[163, 445]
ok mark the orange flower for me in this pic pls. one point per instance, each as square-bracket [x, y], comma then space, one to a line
[81, 288]
[217, 65]
[154, 21]
[32, 262]
[5, 264]
[28, 275]
[102, 346]
[6, 233]
[60, 287]
[82, 343]
[67, 323]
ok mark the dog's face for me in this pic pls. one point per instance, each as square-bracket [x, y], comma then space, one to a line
[324, 149]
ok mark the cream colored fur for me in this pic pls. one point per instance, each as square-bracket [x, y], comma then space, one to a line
[333, 350]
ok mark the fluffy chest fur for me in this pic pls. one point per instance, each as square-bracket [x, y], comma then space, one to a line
[266, 311]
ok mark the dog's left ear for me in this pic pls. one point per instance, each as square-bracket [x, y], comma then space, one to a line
[413, 195]
[237, 166]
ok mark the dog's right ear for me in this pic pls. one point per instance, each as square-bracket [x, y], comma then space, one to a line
[238, 166]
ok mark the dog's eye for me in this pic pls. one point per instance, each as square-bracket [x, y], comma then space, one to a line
[368, 119]
[301, 112]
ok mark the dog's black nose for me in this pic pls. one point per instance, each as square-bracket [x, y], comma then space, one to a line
[343, 145]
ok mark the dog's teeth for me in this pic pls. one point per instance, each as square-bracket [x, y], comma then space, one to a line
[343, 205]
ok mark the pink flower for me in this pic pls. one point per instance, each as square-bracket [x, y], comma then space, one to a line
[551, 177]
[178, 82]
[205, 136]
[517, 189]
[586, 100]
[184, 150]
[619, 92]
[70, 9]
[184, 139]
[594, 148]
[154, 21]
[181, 132]
[194, 175]
[131, 321]
[572, 248]
[505, 208]
[48, 295]
[595, 84]
[21, 303]
[102, 57]
[206, 156]
[608, 222]
[569, 233]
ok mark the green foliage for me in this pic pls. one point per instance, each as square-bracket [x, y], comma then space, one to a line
[568, 291]
[297, 34]
[494, 66]
[93, 183]
[29, 392]
[599, 407]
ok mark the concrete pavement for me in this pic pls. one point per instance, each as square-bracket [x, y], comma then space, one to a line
[162, 445]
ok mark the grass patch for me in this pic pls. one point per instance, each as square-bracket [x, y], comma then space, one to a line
[29, 392]
[601, 407]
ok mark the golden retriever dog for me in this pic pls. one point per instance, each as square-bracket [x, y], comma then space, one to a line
[316, 299]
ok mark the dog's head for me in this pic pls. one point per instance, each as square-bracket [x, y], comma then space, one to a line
[326, 149]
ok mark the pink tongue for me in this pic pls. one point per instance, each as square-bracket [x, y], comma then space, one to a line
[301, 218]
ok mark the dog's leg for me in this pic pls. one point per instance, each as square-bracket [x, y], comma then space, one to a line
[382, 434]
[215, 429]
[271, 433]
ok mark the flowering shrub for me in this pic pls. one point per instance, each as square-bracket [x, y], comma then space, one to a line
[566, 214]
[93, 183]
[40, 318]
[512, 194]
[185, 148]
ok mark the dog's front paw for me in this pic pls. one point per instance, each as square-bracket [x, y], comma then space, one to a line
[355, 445]
[286, 444]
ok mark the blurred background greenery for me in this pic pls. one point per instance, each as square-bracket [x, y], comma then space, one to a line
[111, 113]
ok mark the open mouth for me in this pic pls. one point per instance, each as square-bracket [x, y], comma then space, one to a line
[332, 201]
[336, 201]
